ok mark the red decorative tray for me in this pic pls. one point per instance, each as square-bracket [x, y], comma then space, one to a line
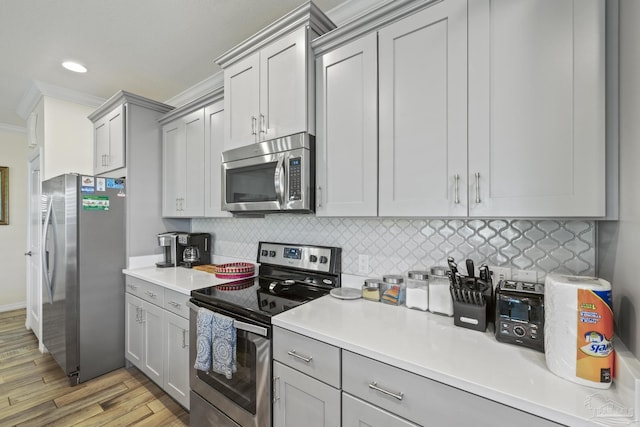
[235, 270]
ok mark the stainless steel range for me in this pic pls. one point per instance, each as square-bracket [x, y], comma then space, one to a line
[289, 275]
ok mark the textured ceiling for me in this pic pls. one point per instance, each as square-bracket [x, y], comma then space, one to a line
[154, 48]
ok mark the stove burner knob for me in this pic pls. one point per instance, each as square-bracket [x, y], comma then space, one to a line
[272, 253]
[272, 305]
[323, 260]
[313, 258]
[263, 303]
[272, 286]
[264, 252]
[289, 282]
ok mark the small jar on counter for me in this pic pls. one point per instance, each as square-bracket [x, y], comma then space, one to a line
[439, 296]
[418, 290]
[394, 289]
[371, 289]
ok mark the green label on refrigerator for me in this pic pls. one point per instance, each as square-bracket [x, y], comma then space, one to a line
[95, 203]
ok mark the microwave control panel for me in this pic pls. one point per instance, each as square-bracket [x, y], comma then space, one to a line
[295, 178]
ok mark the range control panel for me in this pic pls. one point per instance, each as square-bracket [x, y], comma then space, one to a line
[315, 258]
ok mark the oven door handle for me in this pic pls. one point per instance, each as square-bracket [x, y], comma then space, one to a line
[240, 325]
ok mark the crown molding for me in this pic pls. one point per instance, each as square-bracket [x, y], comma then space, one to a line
[351, 9]
[203, 88]
[124, 97]
[39, 89]
[12, 128]
[198, 103]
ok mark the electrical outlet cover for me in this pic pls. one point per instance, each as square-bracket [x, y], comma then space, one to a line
[500, 273]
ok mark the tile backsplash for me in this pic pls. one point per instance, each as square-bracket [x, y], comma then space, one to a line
[397, 245]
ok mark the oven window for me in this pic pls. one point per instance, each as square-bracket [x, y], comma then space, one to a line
[241, 388]
[251, 184]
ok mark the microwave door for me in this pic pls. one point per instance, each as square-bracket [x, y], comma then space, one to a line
[253, 184]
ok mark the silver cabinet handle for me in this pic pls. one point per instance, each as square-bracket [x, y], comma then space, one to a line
[276, 389]
[374, 386]
[263, 124]
[477, 187]
[296, 355]
[132, 287]
[456, 180]
[253, 125]
[151, 294]
[319, 197]
[184, 341]
[173, 303]
[28, 253]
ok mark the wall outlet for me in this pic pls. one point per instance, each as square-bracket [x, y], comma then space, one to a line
[500, 273]
[526, 275]
[363, 264]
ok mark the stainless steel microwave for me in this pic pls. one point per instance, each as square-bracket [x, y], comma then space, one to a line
[270, 176]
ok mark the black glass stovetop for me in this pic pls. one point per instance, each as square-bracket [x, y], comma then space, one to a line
[259, 298]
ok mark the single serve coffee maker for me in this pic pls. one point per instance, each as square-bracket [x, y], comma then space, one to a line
[194, 249]
[168, 242]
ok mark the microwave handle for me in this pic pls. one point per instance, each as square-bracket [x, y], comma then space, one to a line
[278, 180]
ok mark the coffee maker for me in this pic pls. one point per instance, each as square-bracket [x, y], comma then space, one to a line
[168, 242]
[194, 249]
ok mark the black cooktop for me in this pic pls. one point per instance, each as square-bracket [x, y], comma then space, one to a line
[283, 282]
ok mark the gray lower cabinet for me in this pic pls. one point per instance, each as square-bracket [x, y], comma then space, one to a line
[306, 381]
[300, 400]
[157, 336]
[356, 412]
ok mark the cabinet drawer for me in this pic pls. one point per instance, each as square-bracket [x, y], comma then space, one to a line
[424, 401]
[355, 412]
[176, 303]
[146, 290]
[312, 357]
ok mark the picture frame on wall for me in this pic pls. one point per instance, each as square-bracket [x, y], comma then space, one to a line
[4, 195]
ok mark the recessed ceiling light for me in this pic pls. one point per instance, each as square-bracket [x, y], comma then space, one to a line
[74, 66]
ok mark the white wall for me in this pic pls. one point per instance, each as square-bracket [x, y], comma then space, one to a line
[68, 137]
[13, 237]
[619, 242]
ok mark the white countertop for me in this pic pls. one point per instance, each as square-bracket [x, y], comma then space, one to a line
[431, 346]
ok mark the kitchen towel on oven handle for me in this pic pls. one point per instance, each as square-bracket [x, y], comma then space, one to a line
[223, 346]
[204, 335]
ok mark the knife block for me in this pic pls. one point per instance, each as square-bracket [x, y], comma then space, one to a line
[472, 315]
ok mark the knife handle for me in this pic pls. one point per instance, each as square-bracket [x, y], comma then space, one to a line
[470, 269]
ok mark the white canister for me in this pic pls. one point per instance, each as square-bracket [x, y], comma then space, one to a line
[439, 296]
[578, 329]
[417, 293]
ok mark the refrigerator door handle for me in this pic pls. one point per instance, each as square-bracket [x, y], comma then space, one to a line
[49, 281]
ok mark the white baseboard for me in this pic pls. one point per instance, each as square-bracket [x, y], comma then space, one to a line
[11, 307]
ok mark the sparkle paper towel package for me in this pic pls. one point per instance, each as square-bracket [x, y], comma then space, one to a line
[578, 329]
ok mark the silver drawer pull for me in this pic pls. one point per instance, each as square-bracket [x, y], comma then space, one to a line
[374, 386]
[173, 303]
[151, 294]
[296, 355]
[133, 287]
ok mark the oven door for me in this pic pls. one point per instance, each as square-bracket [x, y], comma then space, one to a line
[246, 397]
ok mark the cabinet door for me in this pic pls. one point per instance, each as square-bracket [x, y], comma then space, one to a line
[214, 145]
[133, 330]
[176, 373]
[347, 139]
[109, 135]
[356, 412]
[192, 204]
[283, 86]
[423, 113]
[153, 362]
[536, 108]
[300, 400]
[173, 167]
[241, 102]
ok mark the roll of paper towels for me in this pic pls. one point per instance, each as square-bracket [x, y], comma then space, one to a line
[578, 329]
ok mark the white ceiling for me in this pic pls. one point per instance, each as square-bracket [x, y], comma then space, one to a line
[153, 48]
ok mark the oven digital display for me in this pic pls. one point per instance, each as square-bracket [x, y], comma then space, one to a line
[293, 253]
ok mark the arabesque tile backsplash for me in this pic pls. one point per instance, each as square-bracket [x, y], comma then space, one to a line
[397, 245]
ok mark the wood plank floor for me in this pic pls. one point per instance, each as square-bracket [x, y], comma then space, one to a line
[34, 391]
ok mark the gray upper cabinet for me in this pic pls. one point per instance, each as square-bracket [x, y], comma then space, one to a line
[537, 108]
[109, 141]
[269, 79]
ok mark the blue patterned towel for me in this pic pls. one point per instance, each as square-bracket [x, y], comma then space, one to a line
[224, 345]
[203, 339]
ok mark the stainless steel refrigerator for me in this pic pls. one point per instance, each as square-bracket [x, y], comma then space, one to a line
[83, 254]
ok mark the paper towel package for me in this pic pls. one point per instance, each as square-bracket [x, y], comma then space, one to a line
[578, 329]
